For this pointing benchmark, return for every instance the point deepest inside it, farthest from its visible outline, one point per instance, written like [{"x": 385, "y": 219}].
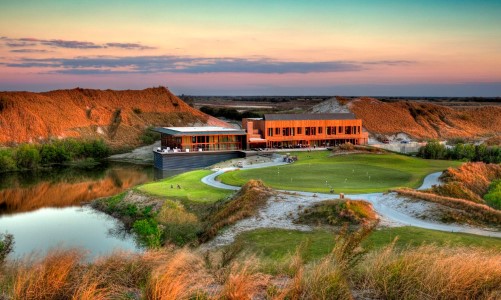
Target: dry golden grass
[
  {"x": 480, "y": 212},
  {"x": 338, "y": 212},
  {"x": 174, "y": 212},
  {"x": 180, "y": 276},
  {"x": 243, "y": 282},
  {"x": 474, "y": 178},
  {"x": 47, "y": 278},
  {"x": 463, "y": 189},
  {"x": 253, "y": 195},
  {"x": 431, "y": 272},
  {"x": 425, "y": 272}
]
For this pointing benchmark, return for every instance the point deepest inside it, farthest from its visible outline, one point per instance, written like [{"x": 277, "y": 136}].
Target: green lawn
[
  {"x": 276, "y": 245},
  {"x": 350, "y": 174},
  {"x": 192, "y": 189}
]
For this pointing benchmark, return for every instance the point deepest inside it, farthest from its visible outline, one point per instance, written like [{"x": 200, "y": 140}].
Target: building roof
[
  {"x": 202, "y": 130},
  {"x": 290, "y": 117}
]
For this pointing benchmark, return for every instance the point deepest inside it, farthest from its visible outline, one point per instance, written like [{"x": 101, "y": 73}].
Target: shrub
[
  {"x": 6, "y": 246},
  {"x": 7, "y": 161},
  {"x": 149, "y": 136},
  {"x": 493, "y": 197},
  {"x": 27, "y": 157},
  {"x": 149, "y": 232}
]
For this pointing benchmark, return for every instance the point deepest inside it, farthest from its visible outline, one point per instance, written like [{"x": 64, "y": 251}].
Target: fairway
[
  {"x": 191, "y": 188},
  {"x": 349, "y": 174},
  {"x": 275, "y": 245}
]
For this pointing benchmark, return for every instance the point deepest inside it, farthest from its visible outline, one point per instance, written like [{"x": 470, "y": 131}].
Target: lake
[{"x": 46, "y": 209}]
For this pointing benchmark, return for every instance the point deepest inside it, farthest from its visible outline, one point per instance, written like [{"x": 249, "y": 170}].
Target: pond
[{"x": 47, "y": 209}]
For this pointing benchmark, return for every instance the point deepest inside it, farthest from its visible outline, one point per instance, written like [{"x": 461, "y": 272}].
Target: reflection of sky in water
[{"x": 67, "y": 227}]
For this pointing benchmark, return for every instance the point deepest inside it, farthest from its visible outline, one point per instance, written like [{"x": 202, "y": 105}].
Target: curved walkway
[{"x": 385, "y": 212}]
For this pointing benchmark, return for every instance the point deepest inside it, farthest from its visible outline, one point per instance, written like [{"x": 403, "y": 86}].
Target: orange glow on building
[{"x": 304, "y": 130}]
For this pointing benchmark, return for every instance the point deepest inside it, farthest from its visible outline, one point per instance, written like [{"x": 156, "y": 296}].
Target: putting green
[{"x": 350, "y": 174}]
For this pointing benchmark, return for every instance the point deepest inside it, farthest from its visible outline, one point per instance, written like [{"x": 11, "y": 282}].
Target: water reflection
[
  {"x": 62, "y": 187},
  {"x": 69, "y": 227}
]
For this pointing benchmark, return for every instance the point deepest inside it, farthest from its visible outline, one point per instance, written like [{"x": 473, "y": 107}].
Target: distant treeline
[
  {"x": 229, "y": 113},
  {"x": 31, "y": 156},
  {"x": 466, "y": 152}
]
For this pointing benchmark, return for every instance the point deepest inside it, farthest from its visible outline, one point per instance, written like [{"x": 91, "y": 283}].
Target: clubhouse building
[{"x": 195, "y": 147}]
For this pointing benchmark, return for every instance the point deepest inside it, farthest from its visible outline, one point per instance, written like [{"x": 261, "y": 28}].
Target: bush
[
  {"x": 149, "y": 232},
  {"x": 7, "y": 161},
  {"x": 27, "y": 157},
  {"x": 6, "y": 246},
  {"x": 493, "y": 197},
  {"x": 148, "y": 136}
]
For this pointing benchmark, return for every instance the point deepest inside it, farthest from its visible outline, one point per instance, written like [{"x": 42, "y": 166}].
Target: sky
[{"x": 272, "y": 47}]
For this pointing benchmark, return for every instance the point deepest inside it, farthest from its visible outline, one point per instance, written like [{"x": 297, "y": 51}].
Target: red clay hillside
[{"x": 119, "y": 117}]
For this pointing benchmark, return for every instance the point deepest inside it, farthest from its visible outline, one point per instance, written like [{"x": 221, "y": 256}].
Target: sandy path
[{"x": 282, "y": 209}]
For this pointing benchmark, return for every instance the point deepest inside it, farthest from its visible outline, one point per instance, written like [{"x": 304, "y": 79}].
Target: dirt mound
[
  {"x": 119, "y": 117},
  {"x": 426, "y": 120},
  {"x": 333, "y": 105}
]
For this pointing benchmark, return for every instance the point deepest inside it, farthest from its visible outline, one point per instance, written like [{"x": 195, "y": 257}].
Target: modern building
[
  {"x": 304, "y": 130},
  {"x": 195, "y": 147}
]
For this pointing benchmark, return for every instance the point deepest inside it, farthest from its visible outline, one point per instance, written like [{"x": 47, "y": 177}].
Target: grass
[
  {"x": 244, "y": 204},
  {"x": 338, "y": 212},
  {"x": 277, "y": 245},
  {"x": 351, "y": 174},
  {"x": 432, "y": 272},
  {"x": 191, "y": 188}
]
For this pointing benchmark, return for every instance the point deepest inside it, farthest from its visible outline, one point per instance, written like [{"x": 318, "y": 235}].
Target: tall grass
[
  {"x": 178, "y": 277},
  {"x": 431, "y": 272},
  {"x": 425, "y": 272},
  {"x": 47, "y": 278}
]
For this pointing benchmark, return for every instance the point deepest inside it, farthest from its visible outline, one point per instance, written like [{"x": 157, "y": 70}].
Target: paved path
[{"x": 275, "y": 214}]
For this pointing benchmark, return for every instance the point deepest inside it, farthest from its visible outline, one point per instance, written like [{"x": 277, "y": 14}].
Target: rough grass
[
  {"x": 431, "y": 272},
  {"x": 253, "y": 195},
  {"x": 350, "y": 174},
  {"x": 338, "y": 212},
  {"x": 276, "y": 246},
  {"x": 473, "y": 213},
  {"x": 471, "y": 181},
  {"x": 191, "y": 188},
  {"x": 345, "y": 270}
]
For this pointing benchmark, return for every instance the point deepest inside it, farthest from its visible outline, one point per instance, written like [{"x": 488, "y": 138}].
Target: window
[
  {"x": 307, "y": 130},
  {"x": 328, "y": 130},
  {"x": 277, "y": 131},
  {"x": 340, "y": 129},
  {"x": 300, "y": 130},
  {"x": 319, "y": 130},
  {"x": 270, "y": 131}
]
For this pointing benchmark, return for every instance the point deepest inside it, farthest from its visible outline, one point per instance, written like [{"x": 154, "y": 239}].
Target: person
[
  {"x": 171, "y": 186},
  {"x": 178, "y": 186},
  {"x": 332, "y": 191}
]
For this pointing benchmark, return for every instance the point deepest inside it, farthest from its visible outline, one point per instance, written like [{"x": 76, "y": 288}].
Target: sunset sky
[{"x": 272, "y": 47}]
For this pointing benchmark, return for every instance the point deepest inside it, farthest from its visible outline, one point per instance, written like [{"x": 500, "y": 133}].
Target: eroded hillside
[
  {"x": 119, "y": 117},
  {"x": 426, "y": 120}
]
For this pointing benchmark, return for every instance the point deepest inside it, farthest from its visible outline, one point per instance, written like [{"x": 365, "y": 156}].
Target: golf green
[{"x": 355, "y": 173}]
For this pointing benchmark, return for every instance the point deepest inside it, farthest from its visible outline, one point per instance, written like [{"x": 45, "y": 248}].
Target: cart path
[{"x": 283, "y": 208}]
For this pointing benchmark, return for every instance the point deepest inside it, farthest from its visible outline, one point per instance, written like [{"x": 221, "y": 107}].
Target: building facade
[
  {"x": 303, "y": 130},
  {"x": 197, "y": 147}
]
